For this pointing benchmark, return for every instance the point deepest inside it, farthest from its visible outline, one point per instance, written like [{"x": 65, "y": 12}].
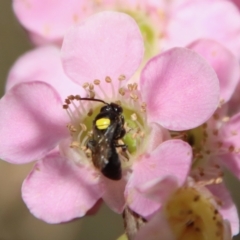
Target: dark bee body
[{"x": 108, "y": 128}]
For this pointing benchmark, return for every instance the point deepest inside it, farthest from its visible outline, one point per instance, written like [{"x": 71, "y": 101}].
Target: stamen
[
  {"x": 97, "y": 82},
  {"x": 121, "y": 78},
  {"x": 109, "y": 80},
  {"x": 121, "y": 91}
]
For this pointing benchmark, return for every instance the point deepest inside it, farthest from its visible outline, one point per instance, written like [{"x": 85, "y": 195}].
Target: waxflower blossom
[
  {"x": 162, "y": 23},
  {"x": 178, "y": 91},
  {"x": 189, "y": 212},
  {"x": 216, "y": 142}
]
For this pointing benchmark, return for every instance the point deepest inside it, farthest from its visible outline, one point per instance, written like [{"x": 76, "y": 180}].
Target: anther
[
  {"x": 75, "y": 144},
  {"x": 90, "y": 112},
  {"x": 85, "y": 85},
  {"x": 96, "y": 81},
  {"x": 67, "y": 101},
  {"x": 91, "y": 94},
  {"x": 83, "y": 126},
  {"x": 134, "y": 96},
  {"x": 130, "y": 87},
  {"x": 134, "y": 86},
  {"x": 231, "y": 149},
  {"x": 121, "y": 77},
  {"x": 134, "y": 117},
  {"x": 215, "y": 116},
  {"x": 91, "y": 87},
  {"x": 77, "y": 97},
  {"x": 65, "y": 106},
  {"x": 121, "y": 91},
  {"x": 108, "y": 79},
  {"x": 71, "y": 97}
]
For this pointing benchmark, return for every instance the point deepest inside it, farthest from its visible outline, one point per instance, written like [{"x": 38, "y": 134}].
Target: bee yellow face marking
[{"x": 102, "y": 123}]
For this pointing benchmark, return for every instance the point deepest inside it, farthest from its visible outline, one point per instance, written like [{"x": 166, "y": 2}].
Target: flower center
[
  {"x": 84, "y": 115},
  {"x": 192, "y": 216},
  {"x": 149, "y": 32}
]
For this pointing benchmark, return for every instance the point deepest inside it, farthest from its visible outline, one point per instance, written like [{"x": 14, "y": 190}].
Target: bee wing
[{"x": 104, "y": 147}]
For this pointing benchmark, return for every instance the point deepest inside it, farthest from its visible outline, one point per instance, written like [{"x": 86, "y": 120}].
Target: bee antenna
[{"x": 94, "y": 99}]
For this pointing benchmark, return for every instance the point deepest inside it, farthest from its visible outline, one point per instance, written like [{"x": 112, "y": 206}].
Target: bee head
[{"x": 112, "y": 107}]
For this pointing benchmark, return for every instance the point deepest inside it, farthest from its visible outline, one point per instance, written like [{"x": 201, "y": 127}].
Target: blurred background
[{"x": 16, "y": 223}]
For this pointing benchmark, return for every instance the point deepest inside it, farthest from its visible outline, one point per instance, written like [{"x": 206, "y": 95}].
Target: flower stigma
[{"x": 83, "y": 112}]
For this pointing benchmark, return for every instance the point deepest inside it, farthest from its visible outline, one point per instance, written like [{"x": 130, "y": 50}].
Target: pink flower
[
  {"x": 178, "y": 91},
  {"x": 163, "y": 23},
  {"x": 216, "y": 142},
  {"x": 189, "y": 212}
]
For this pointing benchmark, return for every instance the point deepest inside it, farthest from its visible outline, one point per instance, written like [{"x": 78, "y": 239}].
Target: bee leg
[
  {"x": 91, "y": 144},
  {"x": 123, "y": 146},
  {"x": 121, "y": 134}
]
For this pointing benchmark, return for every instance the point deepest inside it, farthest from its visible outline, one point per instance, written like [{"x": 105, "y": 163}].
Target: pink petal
[
  {"x": 228, "y": 209},
  {"x": 230, "y": 138},
  {"x": 156, "y": 136},
  {"x": 32, "y": 122},
  {"x": 181, "y": 90},
  {"x": 231, "y": 161},
  {"x": 202, "y": 19},
  {"x": 224, "y": 63},
  {"x": 50, "y": 18},
  {"x": 106, "y": 44},
  {"x": 160, "y": 189},
  {"x": 57, "y": 190},
  {"x": 43, "y": 64},
  {"x": 171, "y": 158},
  {"x": 156, "y": 228},
  {"x": 114, "y": 193}
]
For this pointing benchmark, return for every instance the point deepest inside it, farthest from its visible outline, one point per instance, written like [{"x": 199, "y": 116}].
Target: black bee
[{"x": 108, "y": 128}]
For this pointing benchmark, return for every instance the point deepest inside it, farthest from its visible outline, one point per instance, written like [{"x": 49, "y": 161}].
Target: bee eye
[
  {"x": 105, "y": 108},
  {"x": 103, "y": 123}
]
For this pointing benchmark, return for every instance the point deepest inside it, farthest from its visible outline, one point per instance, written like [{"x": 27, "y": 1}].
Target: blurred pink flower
[
  {"x": 162, "y": 23},
  {"x": 189, "y": 212},
  {"x": 216, "y": 142},
  {"x": 178, "y": 91}
]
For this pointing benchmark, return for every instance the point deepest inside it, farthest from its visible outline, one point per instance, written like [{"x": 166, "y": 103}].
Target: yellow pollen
[{"x": 103, "y": 123}]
